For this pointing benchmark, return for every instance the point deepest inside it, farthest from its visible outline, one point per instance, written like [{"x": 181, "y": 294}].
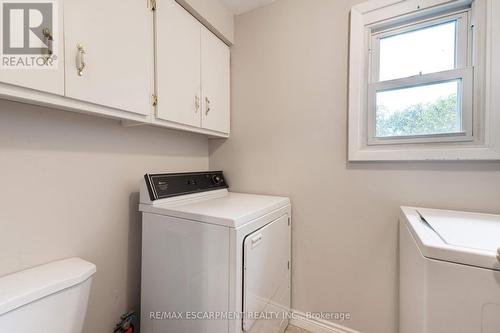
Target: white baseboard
[{"x": 300, "y": 319}]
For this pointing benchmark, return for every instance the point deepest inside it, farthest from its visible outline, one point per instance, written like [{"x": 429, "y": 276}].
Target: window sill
[{"x": 448, "y": 153}]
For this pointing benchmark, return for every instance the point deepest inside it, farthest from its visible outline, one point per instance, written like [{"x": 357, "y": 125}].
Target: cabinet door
[
  {"x": 178, "y": 64},
  {"x": 116, "y": 37},
  {"x": 215, "y": 66},
  {"x": 44, "y": 78}
]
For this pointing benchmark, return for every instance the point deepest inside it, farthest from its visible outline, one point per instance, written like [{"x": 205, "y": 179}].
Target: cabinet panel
[
  {"x": 46, "y": 79},
  {"x": 178, "y": 39},
  {"x": 215, "y": 66},
  {"x": 116, "y": 37}
]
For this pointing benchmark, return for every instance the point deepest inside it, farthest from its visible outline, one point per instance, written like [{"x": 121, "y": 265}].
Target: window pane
[
  {"x": 422, "y": 110},
  {"x": 427, "y": 50}
]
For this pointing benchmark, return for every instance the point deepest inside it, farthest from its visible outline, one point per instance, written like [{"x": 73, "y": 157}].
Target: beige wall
[
  {"x": 289, "y": 119},
  {"x": 69, "y": 187}
]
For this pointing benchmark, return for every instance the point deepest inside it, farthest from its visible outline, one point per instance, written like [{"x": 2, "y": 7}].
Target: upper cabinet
[
  {"x": 215, "y": 63},
  {"x": 33, "y": 57},
  {"x": 192, "y": 71},
  {"x": 178, "y": 65},
  {"x": 109, "y": 53},
  {"x": 146, "y": 62}
]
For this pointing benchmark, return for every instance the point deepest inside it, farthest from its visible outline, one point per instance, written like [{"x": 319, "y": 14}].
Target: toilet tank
[{"x": 48, "y": 298}]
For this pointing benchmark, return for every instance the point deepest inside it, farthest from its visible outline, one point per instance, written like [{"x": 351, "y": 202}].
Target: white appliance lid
[
  {"x": 27, "y": 286},
  {"x": 468, "y": 230},
  {"x": 459, "y": 237},
  {"x": 218, "y": 207}
]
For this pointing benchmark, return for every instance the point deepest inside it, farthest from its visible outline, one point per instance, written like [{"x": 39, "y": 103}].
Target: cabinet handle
[
  {"x": 80, "y": 60},
  {"x": 207, "y": 109},
  {"x": 50, "y": 48},
  {"x": 196, "y": 103}
]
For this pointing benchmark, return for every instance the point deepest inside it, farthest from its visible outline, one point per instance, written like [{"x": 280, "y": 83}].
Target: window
[
  {"x": 418, "y": 81},
  {"x": 420, "y": 88},
  {"x": 431, "y": 109}
]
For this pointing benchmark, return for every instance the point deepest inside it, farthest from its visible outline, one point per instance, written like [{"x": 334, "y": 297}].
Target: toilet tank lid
[{"x": 27, "y": 286}]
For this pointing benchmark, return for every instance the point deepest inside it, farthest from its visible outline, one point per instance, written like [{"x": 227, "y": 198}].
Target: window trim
[{"x": 377, "y": 14}]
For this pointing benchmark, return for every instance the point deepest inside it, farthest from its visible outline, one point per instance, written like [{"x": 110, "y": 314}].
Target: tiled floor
[{"x": 293, "y": 329}]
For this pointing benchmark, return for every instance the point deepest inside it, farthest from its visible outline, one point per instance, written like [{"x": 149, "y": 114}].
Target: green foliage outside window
[{"x": 419, "y": 119}]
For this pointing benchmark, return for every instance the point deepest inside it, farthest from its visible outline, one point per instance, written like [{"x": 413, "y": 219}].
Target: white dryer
[
  {"x": 449, "y": 272},
  {"x": 213, "y": 261}
]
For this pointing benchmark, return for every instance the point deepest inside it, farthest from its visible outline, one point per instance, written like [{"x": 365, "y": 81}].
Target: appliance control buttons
[{"x": 217, "y": 180}]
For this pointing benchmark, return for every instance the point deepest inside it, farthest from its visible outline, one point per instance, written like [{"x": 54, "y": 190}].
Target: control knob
[{"x": 217, "y": 180}]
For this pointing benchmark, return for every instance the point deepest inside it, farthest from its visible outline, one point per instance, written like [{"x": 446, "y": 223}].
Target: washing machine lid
[
  {"x": 220, "y": 207},
  {"x": 461, "y": 237}
]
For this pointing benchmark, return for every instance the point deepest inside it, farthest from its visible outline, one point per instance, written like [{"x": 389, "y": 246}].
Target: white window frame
[
  {"x": 462, "y": 72},
  {"x": 480, "y": 135}
]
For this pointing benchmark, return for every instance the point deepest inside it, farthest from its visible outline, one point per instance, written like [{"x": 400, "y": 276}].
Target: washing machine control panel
[{"x": 167, "y": 185}]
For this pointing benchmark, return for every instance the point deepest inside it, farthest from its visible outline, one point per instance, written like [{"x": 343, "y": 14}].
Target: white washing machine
[
  {"x": 213, "y": 261},
  {"x": 449, "y": 272}
]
